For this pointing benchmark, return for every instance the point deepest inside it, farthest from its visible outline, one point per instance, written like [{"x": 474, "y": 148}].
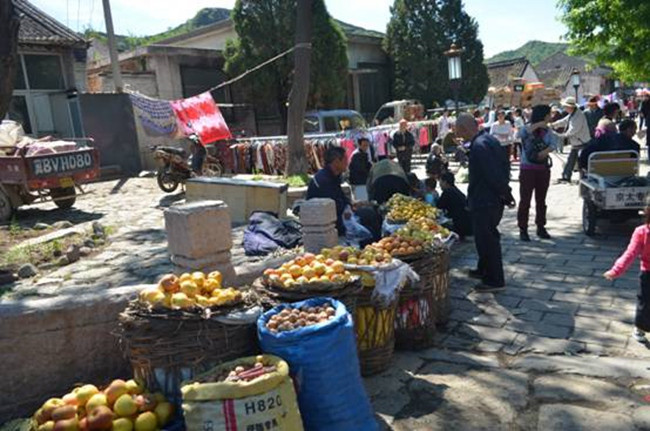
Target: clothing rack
[{"x": 284, "y": 137}]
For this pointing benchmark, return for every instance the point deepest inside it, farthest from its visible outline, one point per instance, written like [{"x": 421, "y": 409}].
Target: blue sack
[{"x": 324, "y": 364}]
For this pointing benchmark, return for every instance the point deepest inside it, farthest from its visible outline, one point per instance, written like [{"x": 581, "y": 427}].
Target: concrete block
[
  {"x": 198, "y": 229},
  {"x": 318, "y": 212},
  {"x": 315, "y": 242}
]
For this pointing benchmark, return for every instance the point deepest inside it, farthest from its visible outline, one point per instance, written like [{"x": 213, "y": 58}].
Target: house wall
[
  {"x": 365, "y": 53},
  {"x": 168, "y": 77},
  {"x": 529, "y": 74},
  {"x": 213, "y": 40}
]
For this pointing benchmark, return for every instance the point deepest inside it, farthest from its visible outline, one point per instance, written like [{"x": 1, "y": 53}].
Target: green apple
[
  {"x": 115, "y": 390},
  {"x": 85, "y": 393},
  {"x": 133, "y": 387},
  {"x": 164, "y": 412},
  {"x": 122, "y": 424},
  {"x": 48, "y": 407},
  {"x": 125, "y": 406},
  {"x": 146, "y": 421},
  {"x": 47, "y": 426},
  {"x": 64, "y": 412},
  {"x": 96, "y": 401}
]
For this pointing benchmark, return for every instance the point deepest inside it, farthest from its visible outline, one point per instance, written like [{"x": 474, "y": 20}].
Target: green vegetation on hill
[
  {"x": 535, "y": 51},
  {"x": 205, "y": 16}
]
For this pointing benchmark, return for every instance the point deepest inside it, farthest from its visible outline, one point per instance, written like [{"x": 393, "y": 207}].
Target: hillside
[
  {"x": 535, "y": 51},
  {"x": 205, "y": 16}
]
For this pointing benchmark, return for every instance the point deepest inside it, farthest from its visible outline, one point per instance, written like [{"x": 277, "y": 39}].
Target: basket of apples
[{"x": 121, "y": 406}]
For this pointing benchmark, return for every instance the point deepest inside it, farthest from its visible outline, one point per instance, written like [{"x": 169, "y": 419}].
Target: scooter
[{"x": 175, "y": 167}]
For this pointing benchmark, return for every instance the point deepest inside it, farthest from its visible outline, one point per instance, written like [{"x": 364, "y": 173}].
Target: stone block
[
  {"x": 308, "y": 229},
  {"x": 198, "y": 229},
  {"x": 561, "y": 417},
  {"x": 314, "y": 243},
  {"x": 318, "y": 212}
]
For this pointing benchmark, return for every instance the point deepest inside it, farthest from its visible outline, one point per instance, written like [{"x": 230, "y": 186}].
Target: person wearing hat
[
  {"x": 576, "y": 133},
  {"x": 403, "y": 142},
  {"x": 593, "y": 114}
]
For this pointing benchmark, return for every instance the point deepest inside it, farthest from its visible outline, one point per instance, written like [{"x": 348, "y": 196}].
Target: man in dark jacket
[
  {"x": 488, "y": 192},
  {"x": 593, "y": 114},
  {"x": 360, "y": 163},
  {"x": 454, "y": 202},
  {"x": 403, "y": 142},
  {"x": 623, "y": 140}
]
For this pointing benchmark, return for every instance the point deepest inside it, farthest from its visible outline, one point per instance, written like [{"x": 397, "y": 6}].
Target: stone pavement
[{"x": 551, "y": 352}]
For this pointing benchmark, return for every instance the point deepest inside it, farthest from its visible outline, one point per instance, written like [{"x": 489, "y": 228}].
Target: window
[
  {"x": 311, "y": 124},
  {"x": 384, "y": 114},
  {"x": 353, "y": 122},
  {"x": 18, "y": 112},
  {"x": 19, "y": 80},
  {"x": 44, "y": 72},
  {"x": 330, "y": 124}
]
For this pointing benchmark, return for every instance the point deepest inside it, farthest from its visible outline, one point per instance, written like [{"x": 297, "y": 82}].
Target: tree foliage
[
  {"x": 266, "y": 28},
  {"x": 614, "y": 32},
  {"x": 418, "y": 34}
]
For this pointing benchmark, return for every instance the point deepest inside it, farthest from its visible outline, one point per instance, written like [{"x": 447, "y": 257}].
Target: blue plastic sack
[{"x": 325, "y": 367}]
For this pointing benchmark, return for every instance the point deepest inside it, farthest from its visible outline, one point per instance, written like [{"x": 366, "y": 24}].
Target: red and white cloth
[{"x": 200, "y": 115}]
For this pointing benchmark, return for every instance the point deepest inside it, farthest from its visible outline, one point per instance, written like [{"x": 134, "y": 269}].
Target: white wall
[
  {"x": 529, "y": 74},
  {"x": 213, "y": 40},
  {"x": 364, "y": 53}
]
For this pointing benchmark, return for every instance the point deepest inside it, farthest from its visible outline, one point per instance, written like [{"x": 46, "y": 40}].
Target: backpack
[{"x": 533, "y": 146}]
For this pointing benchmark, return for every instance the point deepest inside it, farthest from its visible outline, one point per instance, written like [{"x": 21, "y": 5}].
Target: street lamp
[
  {"x": 617, "y": 86},
  {"x": 455, "y": 70},
  {"x": 575, "y": 80}
]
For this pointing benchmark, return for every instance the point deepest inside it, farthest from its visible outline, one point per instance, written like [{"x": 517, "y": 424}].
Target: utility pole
[
  {"x": 9, "y": 25},
  {"x": 112, "y": 50},
  {"x": 297, "y": 160}
]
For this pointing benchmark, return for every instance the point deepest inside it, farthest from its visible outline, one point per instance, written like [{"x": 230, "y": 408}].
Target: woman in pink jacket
[{"x": 639, "y": 246}]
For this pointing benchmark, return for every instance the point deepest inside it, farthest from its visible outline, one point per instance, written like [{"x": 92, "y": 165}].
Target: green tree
[
  {"x": 614, "y": 32},
  {"x": 266, "y": 28},
  {"x": 418, "y": 34}
]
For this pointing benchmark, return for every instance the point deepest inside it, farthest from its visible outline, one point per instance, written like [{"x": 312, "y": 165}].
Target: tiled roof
[
  {"x": 557, "y": 77},
  {"x": 501, "y": 72},
  {"x": 38, "y": 27},
  {"x": 353, "y": 30}
]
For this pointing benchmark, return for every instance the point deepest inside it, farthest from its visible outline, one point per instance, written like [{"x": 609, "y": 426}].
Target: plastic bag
[
  {"x": 268, "y": 402},
  {"x": 325, "y": 367},
  {"x": 389, "y": 279},
  {"x": 355, "y": 232}
]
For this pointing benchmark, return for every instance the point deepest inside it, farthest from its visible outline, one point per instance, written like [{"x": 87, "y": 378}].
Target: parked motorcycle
[{"x": 175, "y": 167}]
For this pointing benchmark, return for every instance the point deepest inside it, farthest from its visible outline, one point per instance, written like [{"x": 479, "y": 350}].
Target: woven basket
[
  {"x": 164, "y": 351},
  {"x": 271, "y": 297},
  {"x": 440, "y": 282},
  {"x": 375, "y": 333}
]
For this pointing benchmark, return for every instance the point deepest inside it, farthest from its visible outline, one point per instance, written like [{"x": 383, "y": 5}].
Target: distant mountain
[
  {"x": 205, "y": 16},
  {"x": 535, "y": 51}
]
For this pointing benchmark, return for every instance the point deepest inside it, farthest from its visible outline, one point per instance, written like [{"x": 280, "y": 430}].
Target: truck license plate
[{"x": 66, "y": 182}]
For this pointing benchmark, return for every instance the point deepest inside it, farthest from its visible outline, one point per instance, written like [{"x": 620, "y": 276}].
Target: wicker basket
[
  {"x": 440, "y": 282},
  {"x": 271, "y": 297},
  {"x": 166, "y": 350},
  {"x": 375, "y": 333}
]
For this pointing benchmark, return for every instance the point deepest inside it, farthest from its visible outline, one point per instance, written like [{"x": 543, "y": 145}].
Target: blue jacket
[
  {"x": 325, "y": 184},
  {"x": 489, "y": 173}
]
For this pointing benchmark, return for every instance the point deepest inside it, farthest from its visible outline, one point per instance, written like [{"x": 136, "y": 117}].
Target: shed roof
[
  {"x": 501, "y": 72},
  {"x": 37, "y": 27}
]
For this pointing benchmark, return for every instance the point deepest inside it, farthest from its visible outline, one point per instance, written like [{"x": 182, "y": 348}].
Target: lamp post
[
  {"x": 455, "y": 71},
  {"x": 575, "y": 80},
  {"x": 617, "y": 87}
]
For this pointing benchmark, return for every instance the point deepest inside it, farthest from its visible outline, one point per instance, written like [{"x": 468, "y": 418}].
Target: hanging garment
[
  {"x": 348, "y": 146},
  {"x": 156, "y": 116},
  {"x": 200, "y": 115},
  {"x": 424, "y": 136}
]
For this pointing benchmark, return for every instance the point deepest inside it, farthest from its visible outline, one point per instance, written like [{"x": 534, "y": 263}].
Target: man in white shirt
[
  {"x": 576, "y": 133},
  {"x": 444, "y": 125}
]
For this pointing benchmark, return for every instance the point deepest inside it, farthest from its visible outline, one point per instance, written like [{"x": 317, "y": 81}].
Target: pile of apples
[
  {"x": 122, "y": 406},
  {"x": 368, "y": 256},
  {"x": 307, "y": 269},
  {"x": 427, "y": 225},
  {"x": 190, "y": 290},
  {"x": 397, "y": 245},
  {"x": 403, "y": 208}
]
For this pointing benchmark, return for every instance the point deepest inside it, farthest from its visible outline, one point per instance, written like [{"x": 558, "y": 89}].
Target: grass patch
[
  {"x": 36, "y": 254},
  {"x": 14, "y": 227}
]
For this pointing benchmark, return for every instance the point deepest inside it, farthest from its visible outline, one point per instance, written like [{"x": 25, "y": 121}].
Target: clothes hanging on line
[{"x": 156, "y": 116}]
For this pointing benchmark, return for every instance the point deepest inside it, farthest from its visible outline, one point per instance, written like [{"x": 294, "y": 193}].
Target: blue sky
[{"x": 502, "y": 25}]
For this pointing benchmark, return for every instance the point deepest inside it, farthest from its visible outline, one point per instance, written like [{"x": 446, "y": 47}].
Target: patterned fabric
[
  {"x": 200, "y": 115},
  {"x": 156, "y": 116}
]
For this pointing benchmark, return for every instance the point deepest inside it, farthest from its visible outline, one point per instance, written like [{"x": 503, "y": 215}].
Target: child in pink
[{"x": 639, "y": 246}]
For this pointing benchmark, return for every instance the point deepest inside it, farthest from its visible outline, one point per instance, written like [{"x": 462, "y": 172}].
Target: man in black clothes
[
  {"x": 488, "y": 193},
  {"x": 623, "y": 140},
  {"x": 593, "y": 114},
  {"x": 454, "y": 202},
  {"x": 360, "y": 163},
  {"x": 403, "y": 142}
]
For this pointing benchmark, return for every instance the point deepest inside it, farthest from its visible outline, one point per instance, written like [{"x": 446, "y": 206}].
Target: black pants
[
  {"x": 197, "y": 159},
  {"x": 570, "y": 164},
  {"x": 488, "y": 244},
  {"x": 642, "y": 318},
  {"x": 404, "y": 159}
]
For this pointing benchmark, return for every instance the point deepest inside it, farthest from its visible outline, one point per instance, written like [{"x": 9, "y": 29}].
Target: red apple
[{"x": 100, "y": 418}]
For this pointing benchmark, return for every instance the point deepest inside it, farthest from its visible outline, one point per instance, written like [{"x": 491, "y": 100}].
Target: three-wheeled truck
[
  {"x": 26, "y": 179},
  {"x": 612, "y": 188}
]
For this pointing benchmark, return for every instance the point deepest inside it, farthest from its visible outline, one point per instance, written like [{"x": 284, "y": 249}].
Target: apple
[
  {"x": 189, "y": 288},
  {"x": 48, "y": 407},
  {"x": 85, "y": 392},
  {"x": 181, "y": 300},
  {"x": 202, "y": 301},
  {"x": 122, "y": 424},
  {"x": 286, "y": 277},
  {"x": 216, "y": 276},
  {"x": 169, "y": 283},
  {"x": 145, "y": 402},
  {"x": 329, "y": 262},
  {"x": 64, "y": 412},
  {"x": 164, "y": 412},
  {"x": 308, "y": 272},
  {"x": 320, "y": 258},
  {"x": 96, "y": 401},
  {"x": 275, "y": 279},
  {"x": 152, "y": 295},
  {"x": 338, "y": 267},
  {"x": 146, "y": 421},
  {"x": 134, "y": 387},
  {"x": 47, "y": 426},
  {"x": 116, "y": 389},
  {"x": 344, "y": 255},
  {"x": 295, "y": 270},
  {"x": 319, "y": 269},
  {"x": 309, "y": 257},
  {"x": 100, "y": 418},
  {"x": 324, "y": 278},
  {"x": 66, "y": 425},
  {"x": 159, "y": 397},
  {"x": 125, "y": 406},
  {"x": 302, "y": 280},
  {"x": 83, "y": 424},
  {"x": 70, "y": 399},
  {"x": 300, "y": 261}
]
